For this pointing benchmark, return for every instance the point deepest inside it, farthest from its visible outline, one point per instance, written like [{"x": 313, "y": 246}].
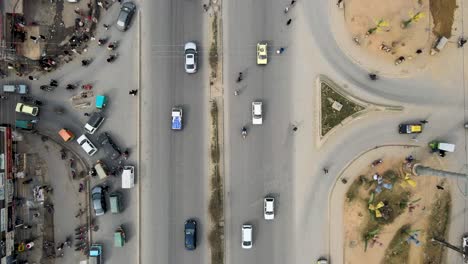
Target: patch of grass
[
  {"x": 213, "y": 58},
  {"x": 438, "y": 225},
  {"x": 397, "y": 251},
  {"x": 331, "y": 117},
  {"x": 216, "y": 203},
  {"x": 353, "y": 190}
]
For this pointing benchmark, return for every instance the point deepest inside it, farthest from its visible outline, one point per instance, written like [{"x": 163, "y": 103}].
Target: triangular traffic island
[{"x": 337, "y": 107}]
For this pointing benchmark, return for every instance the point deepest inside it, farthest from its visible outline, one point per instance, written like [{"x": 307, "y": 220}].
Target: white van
[
  {"x": 128, "y": 177},
  {"x": 247, "y": 236}
]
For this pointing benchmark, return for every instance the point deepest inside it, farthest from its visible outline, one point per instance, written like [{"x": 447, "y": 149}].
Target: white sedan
[
  {"x": 190, "y": 57},
  {"x": 87, "y": 145},
  {"x": 257, "y": 116}
]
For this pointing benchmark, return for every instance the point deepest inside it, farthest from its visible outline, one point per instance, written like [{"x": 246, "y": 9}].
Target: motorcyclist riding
[
  {"x": 244, "y": 132},
  {"x": 239, "y": 78}
]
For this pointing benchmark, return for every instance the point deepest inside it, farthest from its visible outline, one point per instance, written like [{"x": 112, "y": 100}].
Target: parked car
[
  {"x": 15, "y": 88},
  {"x": 24, "y": 124},
  {"x": 109, "y": 146},
  {"x": 262, "y": 53},
  {"x": 87, "y": 145},
  {"x": 128, "y": 177},
  {"x": 410, "y": 128},
  {"x": 269, "y": 208},
  {"x": 94, "y": 122},
  {"x": 190, "y": 230},
  {"x": 125, "y": 16},
  {"x": 247, "y": 236},
  {"x": 27, "y": 109},
  {"x": 190, "y": 57},
  {"x": 257, "y": 115},
  {"x": 99, "y": 203}
]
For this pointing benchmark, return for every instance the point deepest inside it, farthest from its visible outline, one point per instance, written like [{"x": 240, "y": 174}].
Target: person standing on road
[{"x": 289, "y": 22}]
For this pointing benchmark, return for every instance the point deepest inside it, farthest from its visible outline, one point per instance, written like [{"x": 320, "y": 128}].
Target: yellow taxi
[{"x": 262, "y": 53}]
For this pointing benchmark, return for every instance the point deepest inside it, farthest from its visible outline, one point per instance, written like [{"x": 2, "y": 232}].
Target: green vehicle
[
  {"x": 115, "y": 199},
  {"x": 119, "y": 237},
  {"x": 24, "y": 124}
]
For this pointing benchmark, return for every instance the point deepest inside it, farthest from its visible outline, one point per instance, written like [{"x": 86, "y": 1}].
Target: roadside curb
[
  {"x": 369, "y": 107},
  {"x": 138, "y": 189}
]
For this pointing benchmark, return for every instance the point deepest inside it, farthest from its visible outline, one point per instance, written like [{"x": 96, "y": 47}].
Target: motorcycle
[
  {"x": 376, "y": 162},
  {"x": 70, "y": 87},
  {"x": 102, "y": 41},
  {"x": 111, "y": 58},
  {"x": 85, "y": 63},
  {"x": 280, "y": 50},
  {"x": 244, "y": 132},
  {"x": 37, "y": 102},
  {"x": 373, "y": 76},
  {"x": 3, "y": 97},
  {"x": 63, "y": 154},
  {"x": 112, "y": 45},
  {"x": 239, "y": 78},
  {"x": 87, "y": 86},
  {"x": 46, "y": 88}
]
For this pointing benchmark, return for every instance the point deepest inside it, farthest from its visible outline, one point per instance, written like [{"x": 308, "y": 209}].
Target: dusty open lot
[{"x": 412, "y": 211}]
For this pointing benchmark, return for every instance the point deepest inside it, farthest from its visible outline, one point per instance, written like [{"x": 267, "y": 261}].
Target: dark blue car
[{"x": 190, "y": 232}]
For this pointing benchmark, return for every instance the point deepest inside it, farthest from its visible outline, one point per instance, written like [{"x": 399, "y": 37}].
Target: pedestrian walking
[
  {"x": 294, "y": 128},
  {"x": 53, "y": 83},
  {"x": 99, "y": 3},
  {"x": 461, "y": 42},
  {"x": 42, "y": 37},
  {"x": 30, "y": 77},
  {"x": 418, "y": 51},
  {"x": 289, "y": 22},
  {"x": 106, "y": 26},
  {"x": 439, "y": 187},
  {"x": 293, "y": 2},
  {"x": 205, "y": 7},
  {"x": 133, "y": 92},
  {"x": 325, "y": 170},
  {"x": 424, "y": 121},
  {"x": 86, "y": 114}
]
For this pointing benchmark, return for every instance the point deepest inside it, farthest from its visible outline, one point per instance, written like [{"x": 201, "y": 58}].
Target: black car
[
  {"x": 190, "y": 231},
  {"x": 125, "y": 15},
  {"x": 109, "y": 146}
]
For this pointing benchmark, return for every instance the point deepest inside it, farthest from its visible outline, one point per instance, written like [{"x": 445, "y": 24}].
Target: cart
[
  {"x": 101, "y": 101},
  {"x": 119, "y": 237}
]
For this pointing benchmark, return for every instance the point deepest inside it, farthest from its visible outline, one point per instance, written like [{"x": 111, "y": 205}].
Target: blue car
[{"x": 190, "y": 232}]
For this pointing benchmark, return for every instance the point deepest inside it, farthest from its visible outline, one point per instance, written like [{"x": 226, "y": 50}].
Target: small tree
[
  {"x": 378, "y": 27},
  {"x": 413, "y": 18}
]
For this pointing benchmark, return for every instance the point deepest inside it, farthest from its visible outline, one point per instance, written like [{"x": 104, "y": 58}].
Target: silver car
[
  {"x": 190, "y": 57},
  {"x": 97, "y": 197},
  {"x": 125, "y": 16}
]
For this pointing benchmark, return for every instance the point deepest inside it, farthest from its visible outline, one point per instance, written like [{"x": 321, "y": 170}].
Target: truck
[
  {"x": 95, "y": 254},
  {"x": 15, "y": 88},
  {"x": 177, "y": 118},
  {"x": 441, "y": 147}
]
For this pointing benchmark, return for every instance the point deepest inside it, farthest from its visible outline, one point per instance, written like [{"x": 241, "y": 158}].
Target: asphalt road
[
  {"x": 174, "y": 163},
  {"x": 261, "y": 164}
]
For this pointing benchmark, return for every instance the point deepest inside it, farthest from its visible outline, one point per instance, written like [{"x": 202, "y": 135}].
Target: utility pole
[{"x": 452, "y": 247}]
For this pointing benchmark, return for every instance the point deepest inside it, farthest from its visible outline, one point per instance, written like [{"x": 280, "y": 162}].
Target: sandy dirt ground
[
  {"x": 362, "y": 15},
  {"x": 356, "y": 215}
]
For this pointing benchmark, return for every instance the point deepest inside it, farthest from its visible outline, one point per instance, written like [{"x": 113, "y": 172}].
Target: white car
[
  {"x": 269, "y": 208},
  {"x": 190, "y": 57},
  {"x": 87, "y": 145},
  {"x": 128, "y": 177},
  {"x": 27, "y": 109},
  {"x": 257, "y": 116},
  {"x": 247, "y": 236}
]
